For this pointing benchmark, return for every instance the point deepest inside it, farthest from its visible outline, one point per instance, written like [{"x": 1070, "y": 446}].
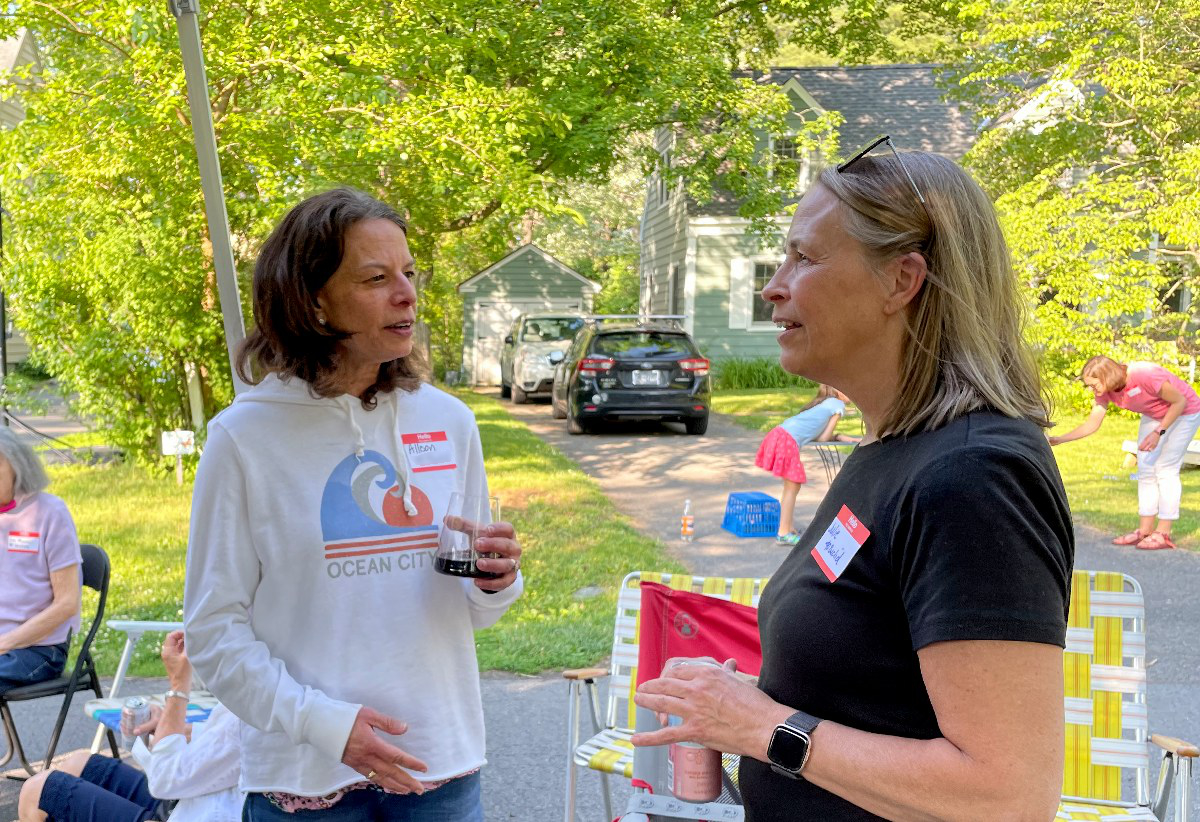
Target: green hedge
[{"x": 739, "y": 373}]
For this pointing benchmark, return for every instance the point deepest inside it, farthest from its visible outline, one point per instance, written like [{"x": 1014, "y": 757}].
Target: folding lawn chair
[
  {"x": 1107, "y": 724},
  {"x": 608, "y": 750}
]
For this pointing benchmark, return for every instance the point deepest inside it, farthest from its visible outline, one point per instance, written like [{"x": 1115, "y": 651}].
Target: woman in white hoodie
[{"x": 312, "y": 609}]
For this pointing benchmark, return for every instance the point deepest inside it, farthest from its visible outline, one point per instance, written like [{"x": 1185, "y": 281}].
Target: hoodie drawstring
[
  {"x": 402, "y": 467},
  {"x": 403, "y": 472}
]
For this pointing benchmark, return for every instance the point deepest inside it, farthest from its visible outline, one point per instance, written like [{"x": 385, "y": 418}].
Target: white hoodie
[{"x": 310, "y": 586}]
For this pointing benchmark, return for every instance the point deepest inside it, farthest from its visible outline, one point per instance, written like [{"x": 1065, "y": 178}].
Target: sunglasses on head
[{"x": 874, "y": 144}]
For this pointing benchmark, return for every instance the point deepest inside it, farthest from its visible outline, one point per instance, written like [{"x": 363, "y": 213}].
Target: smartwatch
[
  {"x": 1162, "y": 432},
  {"x": 791, "y": 744}
]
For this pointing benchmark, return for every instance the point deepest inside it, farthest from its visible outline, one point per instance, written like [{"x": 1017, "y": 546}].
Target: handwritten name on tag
[
  {"x": 24, "y": 542},
  {"x": 1133, "y": 392},
  {"x": 428, "y": 451},
  {"x": 840, "y": 542}
]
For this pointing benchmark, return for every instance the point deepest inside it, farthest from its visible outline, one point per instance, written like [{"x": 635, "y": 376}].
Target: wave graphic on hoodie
[{"x": 362, "y": 510}]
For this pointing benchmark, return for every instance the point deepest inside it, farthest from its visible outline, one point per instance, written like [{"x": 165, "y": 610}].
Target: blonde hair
[
  {"x": 964, "y": 350},
  {"x": 1110, "y": 372}
]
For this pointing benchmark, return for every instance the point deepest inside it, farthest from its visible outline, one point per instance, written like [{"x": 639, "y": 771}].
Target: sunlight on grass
[
  {"x": 572, "y": 536},
  {"x": 1098, "y": 485}
]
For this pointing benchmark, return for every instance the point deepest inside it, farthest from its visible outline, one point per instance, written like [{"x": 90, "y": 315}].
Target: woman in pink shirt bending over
[{"x": 1170, "y": 412}]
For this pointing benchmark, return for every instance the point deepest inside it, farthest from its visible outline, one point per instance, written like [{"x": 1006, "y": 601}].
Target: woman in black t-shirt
[{"x": 912, "y": 640}]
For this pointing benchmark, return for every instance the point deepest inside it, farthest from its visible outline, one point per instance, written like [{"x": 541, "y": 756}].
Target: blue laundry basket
[{"x": 751, "y": 514}]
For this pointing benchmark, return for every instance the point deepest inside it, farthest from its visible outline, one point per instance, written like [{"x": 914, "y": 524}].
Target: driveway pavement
[{"x": 648, "y": 470}]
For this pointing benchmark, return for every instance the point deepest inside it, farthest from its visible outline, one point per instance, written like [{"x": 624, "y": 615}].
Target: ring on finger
[{"x": 371, "y": 775}]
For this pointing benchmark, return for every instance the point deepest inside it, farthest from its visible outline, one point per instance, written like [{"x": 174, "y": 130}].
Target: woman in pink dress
[{"x": 1170, "y": 412}]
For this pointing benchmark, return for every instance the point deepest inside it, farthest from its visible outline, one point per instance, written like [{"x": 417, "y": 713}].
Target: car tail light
[
  {"x": 697, "y": 366},
  {"x": 596, "y": 365}
]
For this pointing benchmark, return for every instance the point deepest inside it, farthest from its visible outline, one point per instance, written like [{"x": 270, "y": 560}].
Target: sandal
[
  {"x": 1155, "y": 541},
  {"x": 1132, "y": 538}
]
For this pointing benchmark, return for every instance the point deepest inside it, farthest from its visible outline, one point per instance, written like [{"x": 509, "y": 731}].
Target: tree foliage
[
  {"x": 468, "y": 114},
  {"x": 1092, "y": 147}
]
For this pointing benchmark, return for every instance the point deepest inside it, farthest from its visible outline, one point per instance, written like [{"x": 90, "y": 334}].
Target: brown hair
[
  {"x": 964, "y": 350},
  {"x": 295, "y": 262},
  {"x": 1110, "y": 372}
]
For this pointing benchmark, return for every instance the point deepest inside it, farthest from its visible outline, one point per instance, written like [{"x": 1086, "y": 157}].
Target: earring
[{"x": 320, "y": 319}]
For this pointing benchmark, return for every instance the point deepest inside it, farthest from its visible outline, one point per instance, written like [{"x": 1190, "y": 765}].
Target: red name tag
[
  {"x": 840, "y": 542},
  {"x": 428, "y": 451},
  {"x": 24, "y": 542}
]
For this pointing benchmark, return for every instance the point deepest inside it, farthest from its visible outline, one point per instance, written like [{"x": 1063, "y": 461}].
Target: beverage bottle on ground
[{"x": 686, "y": 522}]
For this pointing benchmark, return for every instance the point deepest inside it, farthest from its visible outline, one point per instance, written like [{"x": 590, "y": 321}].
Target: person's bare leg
[
  {"x": 1164, "y": 526},
  {"x": 787, "y": 506},
  {"x": 31, "y": 791},
  {"x": 1146, "y": 525}
]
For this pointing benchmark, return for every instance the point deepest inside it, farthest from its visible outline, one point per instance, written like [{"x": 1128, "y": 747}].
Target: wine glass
[{"x": 467, "y": 515}]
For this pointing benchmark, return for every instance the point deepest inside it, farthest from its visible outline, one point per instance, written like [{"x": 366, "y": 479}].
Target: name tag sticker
[
  {"x": 840, "y": 542},
  {"x": 429, "y": 451},
  {"x": 1133, "y": 392},
  {"x": 24, "y": 542}
]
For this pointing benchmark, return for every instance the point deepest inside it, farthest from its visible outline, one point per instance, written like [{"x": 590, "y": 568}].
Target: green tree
[
  {"x": 1093, "y": 152},
  {"x": 468, "y": 114}
]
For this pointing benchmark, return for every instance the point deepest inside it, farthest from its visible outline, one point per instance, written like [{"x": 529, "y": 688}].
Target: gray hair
[{"x": 29, "y": 476}]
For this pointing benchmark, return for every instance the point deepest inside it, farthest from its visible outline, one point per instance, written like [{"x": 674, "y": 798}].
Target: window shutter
[{"x": 741, "y": 270}]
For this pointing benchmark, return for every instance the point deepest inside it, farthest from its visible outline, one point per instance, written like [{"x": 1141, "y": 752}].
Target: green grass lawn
[
  {"x": 1097, "y": 482},
  {"x": 572, "y": 536}
]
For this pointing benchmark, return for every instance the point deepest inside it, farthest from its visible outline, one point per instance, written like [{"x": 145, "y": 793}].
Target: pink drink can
[{"x": 693, "y": 771}]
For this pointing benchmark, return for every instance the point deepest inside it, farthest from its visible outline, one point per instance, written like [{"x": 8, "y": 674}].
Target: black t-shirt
[{"x": 970, "y": 539}]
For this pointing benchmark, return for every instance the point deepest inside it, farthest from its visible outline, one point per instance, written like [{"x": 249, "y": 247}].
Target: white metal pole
[{"x": 205, "y": 138}]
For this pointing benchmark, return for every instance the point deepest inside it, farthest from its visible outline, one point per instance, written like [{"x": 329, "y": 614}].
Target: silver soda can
[
  {"x": 693, "y": 771},
  {"x": 135, "y": 712}
]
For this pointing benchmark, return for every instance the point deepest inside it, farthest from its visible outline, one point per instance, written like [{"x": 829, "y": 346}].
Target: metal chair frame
[{"x": 96, "y": 571}]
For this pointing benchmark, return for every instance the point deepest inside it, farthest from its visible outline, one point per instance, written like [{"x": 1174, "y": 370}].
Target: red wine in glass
[{"x": 466, "y": 517}]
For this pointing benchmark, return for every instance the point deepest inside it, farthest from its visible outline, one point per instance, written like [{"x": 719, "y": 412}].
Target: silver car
[{"x": 533, "y": 346}]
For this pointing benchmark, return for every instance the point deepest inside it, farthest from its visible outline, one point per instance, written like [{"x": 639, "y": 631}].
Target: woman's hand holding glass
[
  {"x": 500, "y": 553},
  {"x": 473, "y": 542}
]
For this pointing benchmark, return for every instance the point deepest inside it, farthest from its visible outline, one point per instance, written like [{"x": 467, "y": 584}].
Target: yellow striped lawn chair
[
  {"x": 608, "y": 750},
  {"x": 1107, "y": 755},
  {"x": 1106, "y": 778}
]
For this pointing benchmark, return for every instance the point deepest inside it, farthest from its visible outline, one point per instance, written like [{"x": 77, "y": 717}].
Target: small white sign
[{"x": 175, "y": 443}]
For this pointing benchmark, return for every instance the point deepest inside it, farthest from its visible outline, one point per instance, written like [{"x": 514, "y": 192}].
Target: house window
[
  {"x": 676, "y": 306},
  {"x": 760, "y": 308},
  {"x": 790, "y": 161},
  {"x": 660, "y": 183}
]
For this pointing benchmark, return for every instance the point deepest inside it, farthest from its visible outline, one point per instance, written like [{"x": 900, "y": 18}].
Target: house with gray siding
[
  {"x": 524, "y": 281},
  {"x": 702, "y": 262}
]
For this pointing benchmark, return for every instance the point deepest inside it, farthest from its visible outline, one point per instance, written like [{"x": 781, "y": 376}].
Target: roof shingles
[{"x": 900, "y": 100}]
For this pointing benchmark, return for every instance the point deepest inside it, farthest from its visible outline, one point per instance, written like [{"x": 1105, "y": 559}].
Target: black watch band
[
  {"x": 791, "y": 744},
  {"x": 1162, "y": 432}
]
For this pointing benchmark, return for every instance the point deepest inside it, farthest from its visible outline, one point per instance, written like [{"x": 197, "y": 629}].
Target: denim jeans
[
  {"x": 26, "y": 666},
  {"x": 457, "y": 801}
]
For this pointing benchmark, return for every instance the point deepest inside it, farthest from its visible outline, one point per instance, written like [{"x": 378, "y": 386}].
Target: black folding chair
[{"x": 83, "y": 673}]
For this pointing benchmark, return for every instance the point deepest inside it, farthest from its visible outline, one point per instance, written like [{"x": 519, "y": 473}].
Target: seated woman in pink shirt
[
  {"x": 39, "y": 570},
  {"x": 1170, "y": 412}
]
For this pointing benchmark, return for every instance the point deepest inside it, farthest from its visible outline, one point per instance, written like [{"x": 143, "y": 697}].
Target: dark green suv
[{"x": 631, "y": 371}]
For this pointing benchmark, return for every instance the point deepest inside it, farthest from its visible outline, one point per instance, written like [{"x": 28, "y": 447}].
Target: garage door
[{"x": 492, "y": 321}]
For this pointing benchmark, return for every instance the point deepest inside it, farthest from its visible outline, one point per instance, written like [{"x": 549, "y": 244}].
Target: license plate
[{"x": 647, "y": 378}]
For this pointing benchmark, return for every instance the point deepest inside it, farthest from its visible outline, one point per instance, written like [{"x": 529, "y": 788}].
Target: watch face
[{"x": 788, "y": 748}]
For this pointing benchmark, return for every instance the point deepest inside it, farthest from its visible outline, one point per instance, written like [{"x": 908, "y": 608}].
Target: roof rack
[{"x": 675, "y": 320}]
